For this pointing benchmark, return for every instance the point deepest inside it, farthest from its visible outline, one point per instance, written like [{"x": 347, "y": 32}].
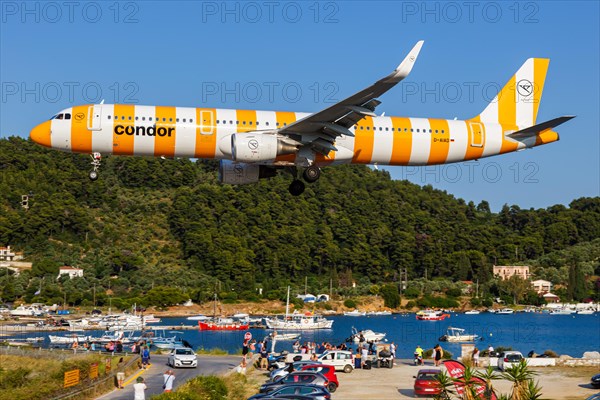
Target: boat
[
  {"x": 562, "y": 311},
  {"x": 283, "y": 336},
  {"x": 505, "y": 311},
  {"x": 355, "y": 313},
  {"x": 379, "y": 313},
  {"x": 585, "y": 312},
  {"x": 223, "y": 324},
  {"x": 27, "y": 311},
  {"x": 68, "y": 339},
  {"x": 297, "y": 321},
  {"x": 431, "y": 315},
  {"x": 457, "y": 335},
  {"x": 472, "y": 312},
  {"x": 199, "y": 317},
  {"x": 365, "y": 335}
]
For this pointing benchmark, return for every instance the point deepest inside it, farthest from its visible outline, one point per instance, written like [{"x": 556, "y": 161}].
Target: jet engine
[
  {"x": 234, "y": 173},
  {"x": 255, "y": 147}
]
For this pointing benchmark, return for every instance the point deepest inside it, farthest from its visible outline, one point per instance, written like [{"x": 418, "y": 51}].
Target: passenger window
[
  {"x": 108, "y": 116},
  {"x": 267, "y": 124}
]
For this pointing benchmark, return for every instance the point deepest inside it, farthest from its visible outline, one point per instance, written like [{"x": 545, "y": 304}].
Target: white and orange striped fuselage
[
  {"x": 195, "y": 133},
  {"x": 253, "y": 144}
]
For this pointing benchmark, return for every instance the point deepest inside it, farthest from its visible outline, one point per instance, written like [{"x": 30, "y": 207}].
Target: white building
[
  {"x": 6, "y": 254},
  {"x": 506, "y": 271},
  {"x": 541, "y": 286},
  {"x": 71, "y": 271}
]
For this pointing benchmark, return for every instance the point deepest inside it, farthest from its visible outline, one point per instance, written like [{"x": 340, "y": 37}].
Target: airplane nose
[{"x": 41, "y": 134}]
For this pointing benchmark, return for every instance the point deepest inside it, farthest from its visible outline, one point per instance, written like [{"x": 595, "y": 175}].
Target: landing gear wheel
[
  {"x": 96, "y": 162},
  {"x": 296, "y": 187},
  {"x": 312, "y": 174},
  {"x": 93, "y": 175}
]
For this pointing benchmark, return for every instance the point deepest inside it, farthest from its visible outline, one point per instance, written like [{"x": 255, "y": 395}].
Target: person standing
[
  {"x": 245, "y": 345},
  {"x": 264, "y": 357},
  {"x": 168, "y": 379},
  {"x": 120, "y": 373},
  {"x": 393, "y": 349},
  {"x": 438, "y": 353},
  {"x": 139, "y": 389},
  {"x": 475, "y": 357},
  {"x": 364, "y": 355},
  {"x": 145, "y": 357}
]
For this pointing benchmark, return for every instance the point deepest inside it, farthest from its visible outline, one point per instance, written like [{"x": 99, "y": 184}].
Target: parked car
[
  {"x": 595, "y": 381},
  {"x": 313, "y": 391},
  {"x": 290, "y": 397},
  {"x": 340, "y": 359},
  {"x": 594, "y": 397},
  {"x": 425, "y": 383},
  {"x": 182, "y": 357},
  {"x": 305, "y": 378},
  {"x": 328, "y": 371},
  {"x": 295, "y": 366},
  {"x": 508, "y": 359}
]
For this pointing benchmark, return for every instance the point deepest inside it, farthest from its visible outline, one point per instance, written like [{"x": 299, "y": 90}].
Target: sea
[{"x": 564, "y": 334}]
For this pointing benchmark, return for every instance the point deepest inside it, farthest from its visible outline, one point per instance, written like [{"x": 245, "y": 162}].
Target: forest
[{"x": 162, "y": 231}]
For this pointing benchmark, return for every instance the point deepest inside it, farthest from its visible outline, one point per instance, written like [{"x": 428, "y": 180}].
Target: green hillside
[{"x": 166, "y": 228}]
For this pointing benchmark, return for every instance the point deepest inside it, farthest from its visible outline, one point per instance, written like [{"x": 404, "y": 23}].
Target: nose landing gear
[{"x": 96, "y": 162}]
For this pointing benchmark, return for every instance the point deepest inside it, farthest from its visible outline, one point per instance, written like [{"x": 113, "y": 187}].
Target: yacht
[
  {"x": 457, "y": 335},
  {"x": 431, "y": 315},
  {"x": 355, "y": 313},
  {"x": 365, "y": 335},
  {"x": 27, "y": 311},
  {"x": 297, "y": 321},
  {"x": 472, "y": 312},
  {"x": 505, "y": 311}
]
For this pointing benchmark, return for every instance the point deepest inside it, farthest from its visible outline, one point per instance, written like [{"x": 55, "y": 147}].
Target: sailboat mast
[{"x": 287, "y": 304}]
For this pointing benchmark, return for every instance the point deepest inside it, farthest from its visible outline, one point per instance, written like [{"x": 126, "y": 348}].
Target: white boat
[
  {"x": 585, "y": 312},
  {"x": 199, "y": 317},
  {"x": 505, "y": 311},
  {"x": 366, "y": 335},
  {"x": 283, "y": 336},
  {"x": 355, "y": 313},
  {"x": 27, "y": 311},
  {"x": 297, "y": 321},
  {"x": 68, "y": 339},
  {"x": 472, "y": 312},
  {"x": 379, "y": 313},
  {"x": 431, "y": 315},
  {"x": 562, "y": 311},
  {"x": 457, "y": 335}
]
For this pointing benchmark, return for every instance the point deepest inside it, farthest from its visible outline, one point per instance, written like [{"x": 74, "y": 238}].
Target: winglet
[{"x": 407, "y": 64}]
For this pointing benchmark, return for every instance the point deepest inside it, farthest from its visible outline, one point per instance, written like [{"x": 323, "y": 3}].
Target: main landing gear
[
  {"x": 310, "y": 175},
  {"x": 96, "y": 162}
]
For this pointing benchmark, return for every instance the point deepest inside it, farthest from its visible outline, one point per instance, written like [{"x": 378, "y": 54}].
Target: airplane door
[
  {"x": 477, "y": 134},
  {"x": 94, "y": 117},
  {"x": 206, "y": 122}
]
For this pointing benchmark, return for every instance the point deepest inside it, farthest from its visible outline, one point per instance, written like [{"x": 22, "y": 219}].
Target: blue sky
[{"x": 302, "y": 56}]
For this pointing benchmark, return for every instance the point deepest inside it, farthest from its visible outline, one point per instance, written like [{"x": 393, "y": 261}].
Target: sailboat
[
  {"x": 298, "y": 321},
  {"x": 221, "y": 323}
]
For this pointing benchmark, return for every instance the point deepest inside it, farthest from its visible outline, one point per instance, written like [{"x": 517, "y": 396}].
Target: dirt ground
[{"x": 397, "y": 383}]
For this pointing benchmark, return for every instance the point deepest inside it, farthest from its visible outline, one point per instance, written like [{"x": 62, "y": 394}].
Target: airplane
[{"x": 253, "y": 145}]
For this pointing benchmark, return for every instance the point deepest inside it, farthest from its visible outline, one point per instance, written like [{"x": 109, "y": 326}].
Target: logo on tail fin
[{"x": 525, "y": 87}]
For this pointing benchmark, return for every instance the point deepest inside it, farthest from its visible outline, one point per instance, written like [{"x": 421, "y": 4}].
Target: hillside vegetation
[{"x": 166, "y": 231}]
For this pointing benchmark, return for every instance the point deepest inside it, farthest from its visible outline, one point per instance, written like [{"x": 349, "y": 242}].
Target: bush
[
  {"x": 453, "y": 292},
  {"x": 487, "y": 302},
  {"x": 412, "y": 292},
  {"x": 390, "y": 295},
  {"x": 475, "y": 302},
  {"x": 436, "y": 302},
  {"x": 447, "y": 355},
  {"x": 551, "y": 354},
  {"x": 13, "y": 378},
  {"x": 349, "y": 303},
  {"x": 411, "y": 304}
]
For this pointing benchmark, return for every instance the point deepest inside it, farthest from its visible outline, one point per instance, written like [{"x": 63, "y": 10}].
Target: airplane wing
[
  {"x": 320, "y": 130},
  {"x": 535, "y": 129}
]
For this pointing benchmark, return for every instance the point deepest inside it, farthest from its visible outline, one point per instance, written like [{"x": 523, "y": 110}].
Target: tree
[{"x": 390, "y": 295}]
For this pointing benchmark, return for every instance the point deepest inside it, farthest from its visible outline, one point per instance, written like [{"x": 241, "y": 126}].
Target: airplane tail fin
[{"x": 518, "y": 102}]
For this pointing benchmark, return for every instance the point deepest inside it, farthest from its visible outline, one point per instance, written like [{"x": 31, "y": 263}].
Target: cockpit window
[
  {"x": 60, "y": 116},
  {"x": 67, "y": 116},
  {"x": 54, "y": 116}
]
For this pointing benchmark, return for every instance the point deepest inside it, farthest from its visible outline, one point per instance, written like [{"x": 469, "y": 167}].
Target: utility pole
[
  {"x": 94, "y": 295},
  {"x": 330, "y": 288},
  {"x": 305, "y": 285}
]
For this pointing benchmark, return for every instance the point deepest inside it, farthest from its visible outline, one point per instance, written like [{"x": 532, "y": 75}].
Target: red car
[
  {"x": 328, "y": 371},
  {"x": 425, "y": 383}
]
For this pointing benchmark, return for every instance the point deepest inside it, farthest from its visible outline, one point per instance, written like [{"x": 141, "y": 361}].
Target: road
[{"x": 207, "y": 365}]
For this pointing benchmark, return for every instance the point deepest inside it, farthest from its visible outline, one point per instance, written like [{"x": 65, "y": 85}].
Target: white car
[
  {"x": 508, "y": 359},
  {"x": 182, "y": 357},
  {"x": 341, "y": 359}
]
